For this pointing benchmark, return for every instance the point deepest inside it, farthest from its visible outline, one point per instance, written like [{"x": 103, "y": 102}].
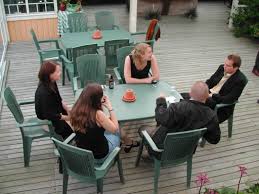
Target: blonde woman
[{"x": 138, "y": 64}]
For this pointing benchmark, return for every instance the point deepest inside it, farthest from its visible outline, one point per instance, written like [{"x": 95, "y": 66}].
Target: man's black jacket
[{"x": 229, "y": 93}]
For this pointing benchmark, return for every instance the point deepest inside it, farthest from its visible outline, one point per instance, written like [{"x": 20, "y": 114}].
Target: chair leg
[
  {"x": 203, "y": 142},
  {"x": 120, "y": 169},
  {"x": 68, "y": 76},
  {"x": 140, "y": 150},
  {"x": 189, "y": 172},
  {"x": 63, "y": 75},
  {"x": 27, "y": 141},
  {"x": 99, "y": 185},
  {"x": 65, "y": 182},
  {"x": 60, "y": 166},
  {"x": 41, "y": 61},
  {"x": 230, "y": 125},
  {"x": 157, "y": 174}
]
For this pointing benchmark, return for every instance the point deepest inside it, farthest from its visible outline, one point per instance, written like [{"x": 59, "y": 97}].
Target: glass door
[{"x": 4, "y": 39}]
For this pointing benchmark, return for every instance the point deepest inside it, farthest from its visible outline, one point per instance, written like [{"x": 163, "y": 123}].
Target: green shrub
[{"x": 246, "y": 19}]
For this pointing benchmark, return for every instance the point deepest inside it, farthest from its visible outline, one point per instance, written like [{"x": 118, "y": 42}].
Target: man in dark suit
[
  {"x": 226, "y": 86},
  {"x": 183, "y": 116}
]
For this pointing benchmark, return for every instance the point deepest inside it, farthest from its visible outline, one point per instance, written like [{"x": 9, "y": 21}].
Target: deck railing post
[{"x": 133, "y": 16}]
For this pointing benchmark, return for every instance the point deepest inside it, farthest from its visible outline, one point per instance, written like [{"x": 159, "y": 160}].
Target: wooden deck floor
[{"x": 188, "y": 50}]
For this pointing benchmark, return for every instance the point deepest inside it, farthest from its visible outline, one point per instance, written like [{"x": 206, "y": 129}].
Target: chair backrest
[
  {"x": 35, "y": 40},
  {"x": 153, "y": 31},
  {"x": 178, "y": 147},
  {"x": 13, "y": 105},
  {"x": 82, "y": 50},
  {"x": 122, "y": 53},
  {"x": 76, "y": 162},
  {"x": 157, "y": 27},
  {"x": 111, "y": 47},
  {"x": 91, "y": 68},
  {"x": 104, "y": 20},
  {"x": 77, "y": 22}
]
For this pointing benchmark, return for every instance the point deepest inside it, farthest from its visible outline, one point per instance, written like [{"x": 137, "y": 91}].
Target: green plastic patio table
[
  {"x": 75, "y": 39},
  {"x": 144, "y": 105}
]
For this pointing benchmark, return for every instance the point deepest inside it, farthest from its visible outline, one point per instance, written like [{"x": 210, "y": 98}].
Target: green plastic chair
[
  {"x": 122, "y": 53},
  {"x": 230, "y": 121},
  {"x": 110, "y": 48},
  {"x": 230, "y": 118},
  {"x": 31, "y": 128},
  {"x": 105, "y": 20},
  {"x": 69, "y": 63},
  {"x": 77, "y": 22},
  {"x": 46, "y": 54},
  {"x": 80, "y": 164},
  {"x": 91, "y": 68},
  {"x": 178, "y": 148}
]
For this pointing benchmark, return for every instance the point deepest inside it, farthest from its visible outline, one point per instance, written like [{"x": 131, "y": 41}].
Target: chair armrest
[
  {"x": 116, "y": 27},
  {"x": 69, "y": 138},
  {"x": 137, "y": 33},
  {"x": 117, "y": 74},
  {"x": 65, "y": 59},
  {"x": 91, "y": 28},
  {"x": 150, "y": 142},
  {"x": 49, "y": 50},
  {"x": 33, "y": 124},
  {"x": 50, "y": 40},
  {"x": 218, "y": 106},
  {"x": 75, "y": 83},
  {"x": 108, "y": 160},
  {"x": 25, "y": 102}
]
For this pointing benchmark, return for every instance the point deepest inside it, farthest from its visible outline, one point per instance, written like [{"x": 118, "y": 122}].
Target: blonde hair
[{"x": 138, "y": 52}]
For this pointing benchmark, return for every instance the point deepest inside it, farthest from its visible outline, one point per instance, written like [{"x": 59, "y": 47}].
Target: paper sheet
[{"x": 170, "y": 99}]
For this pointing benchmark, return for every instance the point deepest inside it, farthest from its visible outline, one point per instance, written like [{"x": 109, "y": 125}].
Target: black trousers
[{"x": 62, "y": 128}]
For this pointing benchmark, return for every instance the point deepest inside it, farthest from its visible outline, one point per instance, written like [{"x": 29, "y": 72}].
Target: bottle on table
[{"x": 111, "y": 82}]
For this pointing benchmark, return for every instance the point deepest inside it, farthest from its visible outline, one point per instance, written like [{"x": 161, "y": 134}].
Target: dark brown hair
[
  {"x": 83, "y": 113},
  {"x": 46, "y": 69},
  {"x": 236, "y": 60}
]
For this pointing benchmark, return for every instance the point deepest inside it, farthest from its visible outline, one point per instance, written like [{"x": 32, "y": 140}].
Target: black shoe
[
  {"x": 258, "y": 101},
  {"x": 132, "y": 145}
]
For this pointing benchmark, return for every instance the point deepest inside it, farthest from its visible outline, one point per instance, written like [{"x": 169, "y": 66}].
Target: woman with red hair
[{"x": 48, "y": 102}]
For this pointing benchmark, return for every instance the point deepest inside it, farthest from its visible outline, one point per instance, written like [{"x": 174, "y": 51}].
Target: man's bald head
[{"x": 199, "y": 91}]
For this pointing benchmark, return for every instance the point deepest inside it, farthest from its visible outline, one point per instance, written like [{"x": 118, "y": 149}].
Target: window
[{"x": 25, "y": 7}]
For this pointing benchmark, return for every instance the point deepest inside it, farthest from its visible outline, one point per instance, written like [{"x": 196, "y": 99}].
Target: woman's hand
[
  {"x": 65, "y": 106},
  {"x": 65, "y": 117},
  {"x": 106, "y": 102},
  {"x": 149, "y": 80}
]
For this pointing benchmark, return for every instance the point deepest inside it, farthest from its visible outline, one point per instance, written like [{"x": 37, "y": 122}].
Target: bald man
[{"x": 185, "y": 115}]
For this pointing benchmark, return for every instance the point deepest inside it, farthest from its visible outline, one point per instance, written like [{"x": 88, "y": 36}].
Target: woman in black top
[
  {"x": 95, "y": 130},
  {"x": 138, "y": 64},
  {"x": 48, "y": 102}
]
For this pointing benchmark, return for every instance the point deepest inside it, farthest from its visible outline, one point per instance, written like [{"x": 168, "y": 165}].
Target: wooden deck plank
[{"x": 188, "y": 50}]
